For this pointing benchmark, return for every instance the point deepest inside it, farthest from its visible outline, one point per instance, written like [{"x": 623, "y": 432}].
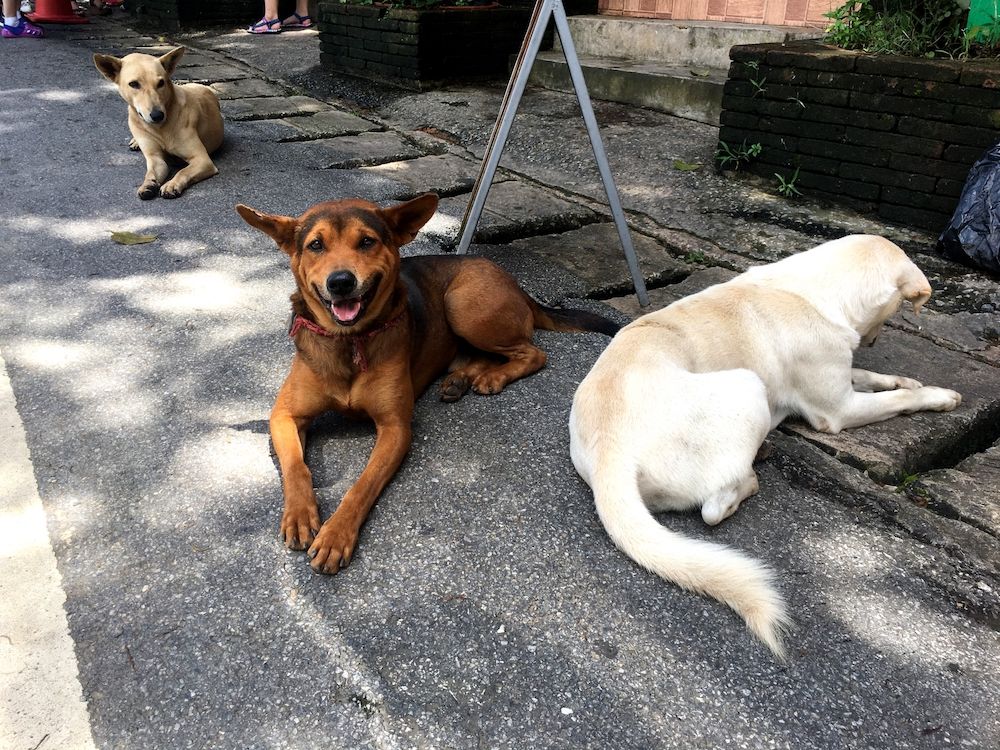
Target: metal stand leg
[{"x": 544, "y": 10}]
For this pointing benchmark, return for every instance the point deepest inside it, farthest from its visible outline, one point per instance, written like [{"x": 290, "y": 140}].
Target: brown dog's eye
[
  {"x": 133, "y": 84},
  {"x": 365, "y": 242},
  {"x": 160, "y": 83},
  {"x": 315, "y": 245}
]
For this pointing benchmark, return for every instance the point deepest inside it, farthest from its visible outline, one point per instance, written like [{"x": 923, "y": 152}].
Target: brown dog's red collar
[{"x": 358, "y": 340}]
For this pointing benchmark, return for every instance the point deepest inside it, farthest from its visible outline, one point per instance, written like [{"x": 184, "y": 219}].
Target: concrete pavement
[{"x": 485, "y": 607}]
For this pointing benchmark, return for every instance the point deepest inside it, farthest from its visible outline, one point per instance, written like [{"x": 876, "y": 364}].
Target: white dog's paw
[
  {"x": 939, "y": 399},
  {"x": 908, "y": 383}
]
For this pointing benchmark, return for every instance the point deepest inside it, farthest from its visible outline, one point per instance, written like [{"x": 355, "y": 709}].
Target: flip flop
[
  {"x": 263, "y": 26},
  {"x": 300, "y": 22}
]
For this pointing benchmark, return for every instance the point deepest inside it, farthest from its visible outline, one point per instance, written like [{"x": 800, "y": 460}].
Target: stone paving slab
[
  {"x": 271, "y": 107},
  {"x": 663, "y": 296},
  {"x": 514, "y": 209},
  {"x": 191, "y": 58},
  {"x": 246, "y": 88},
  {"x": 891, "y": 450},
  {"x": 960, "y": 559},
  {"x": 330, "y": 123},
  {"x": 969, "y": 492},
  {"x": 210, "y": 73},
  {"x": 350, "y": 151},
  {"x": 594, "y": 254},
  {"x": 444, "y": 174}
]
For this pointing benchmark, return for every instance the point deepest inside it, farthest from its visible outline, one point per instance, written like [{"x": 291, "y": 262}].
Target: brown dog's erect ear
[
  {"x": 169, "y": 61},
  {"x": 280, "y": 228},
  {"x": 406, "y": 219},
  {"x": 109, "y": 66}
]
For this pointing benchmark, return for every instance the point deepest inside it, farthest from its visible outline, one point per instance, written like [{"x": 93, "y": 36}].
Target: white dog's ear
[
  {"x": 109, "y": 66},
  {"x": 169, "y": 61},
  {"x": 915, "y": 288}
]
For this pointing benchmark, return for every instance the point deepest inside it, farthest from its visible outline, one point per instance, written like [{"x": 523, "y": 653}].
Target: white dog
[{"x": 675, "y": 409}]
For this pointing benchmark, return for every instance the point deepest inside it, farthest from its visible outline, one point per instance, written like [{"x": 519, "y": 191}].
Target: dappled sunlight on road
[
  {"x": 80, "y": 231},
  {"x": 221, "y": 460},
  {"x": 60, "y": 95},
  {"x": 866, "y": 605},
  {"x": 184, "y": 293},
  {"x": 53, "y": 355}
]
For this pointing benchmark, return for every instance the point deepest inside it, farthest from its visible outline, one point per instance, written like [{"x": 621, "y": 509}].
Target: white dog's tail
[{"x": 703, "y": 567}]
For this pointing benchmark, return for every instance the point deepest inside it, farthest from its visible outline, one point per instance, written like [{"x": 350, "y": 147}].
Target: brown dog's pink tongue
[{"x": 346, "y": 309}]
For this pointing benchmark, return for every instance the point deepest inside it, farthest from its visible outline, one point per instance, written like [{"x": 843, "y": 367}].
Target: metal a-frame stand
[{"x": 544, "y": 10}]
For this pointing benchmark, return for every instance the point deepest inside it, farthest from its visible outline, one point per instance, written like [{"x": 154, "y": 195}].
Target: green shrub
[{"x": 918, "y": 28}]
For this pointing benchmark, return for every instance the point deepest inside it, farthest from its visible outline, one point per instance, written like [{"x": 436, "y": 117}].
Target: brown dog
[
  {"x": 372, "y": 331},
  {"x": 183, "y": 121}
]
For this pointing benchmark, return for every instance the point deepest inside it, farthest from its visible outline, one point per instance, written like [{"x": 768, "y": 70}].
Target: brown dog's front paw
[
  {"x": 148, "y": 190},
  {"x": 299, "y": 526},
  {"x": 133, "y": 145},
  {"x": 453, "y": 387},
  {"x": 333, "y": 547},
  {"x": 489, "y": 383}
]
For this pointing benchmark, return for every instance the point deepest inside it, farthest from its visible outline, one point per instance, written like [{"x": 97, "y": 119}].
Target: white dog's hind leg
[
  {"x": 867, "y": 408},
  {"x": 867, "y": 381},
  {"x": 717, "y": 509}
]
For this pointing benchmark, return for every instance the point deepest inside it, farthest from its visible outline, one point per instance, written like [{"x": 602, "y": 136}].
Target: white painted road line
[{"x": 41, "y": 702}]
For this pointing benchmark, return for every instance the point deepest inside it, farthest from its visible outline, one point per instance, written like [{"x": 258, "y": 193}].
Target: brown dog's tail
[{"x": 554, "y": 319}]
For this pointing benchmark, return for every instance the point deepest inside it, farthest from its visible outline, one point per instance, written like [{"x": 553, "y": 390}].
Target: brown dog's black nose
[
  {"x": 157, "y": 115},
  {"x": 341, "y": 283}
]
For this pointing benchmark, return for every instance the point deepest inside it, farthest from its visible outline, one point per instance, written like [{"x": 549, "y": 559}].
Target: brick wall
[
  {"x": 893, "y": 135},
  {"x": 420, "y": 45}
]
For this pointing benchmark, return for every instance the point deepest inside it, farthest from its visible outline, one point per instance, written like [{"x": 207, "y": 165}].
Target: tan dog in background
[
  {"x": 182, "y": 121},
  {"x": 674, "y": 411}
]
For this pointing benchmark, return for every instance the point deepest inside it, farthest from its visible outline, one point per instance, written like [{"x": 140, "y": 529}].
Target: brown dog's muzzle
[{"x": 346, "y": 297}]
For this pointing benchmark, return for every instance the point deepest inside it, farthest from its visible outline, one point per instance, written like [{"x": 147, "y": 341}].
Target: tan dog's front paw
[
  {"x": 299, "y": 525},
  {"x": 133, "y": 144},
  {"x": 908, "y": 383},
  {"x": 333, "y": 547},
  {"x": 148, "y": 190},
  {"x": 171, "y": 189}
]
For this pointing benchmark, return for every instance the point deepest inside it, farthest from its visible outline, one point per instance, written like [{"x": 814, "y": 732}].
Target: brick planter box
[
  {"x": 892, "y": 135},
  {"x": 420, "y": 46}
]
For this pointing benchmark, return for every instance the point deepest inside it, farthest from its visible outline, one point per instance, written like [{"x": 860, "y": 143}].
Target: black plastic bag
[{"x": 973, "y": 235}]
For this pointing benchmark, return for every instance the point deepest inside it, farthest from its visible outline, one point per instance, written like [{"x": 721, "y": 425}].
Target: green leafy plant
[
  {"x": 918, "y": 28},
  {"x": 787, "y": 187},
  {"x": 733, "y": 157}
]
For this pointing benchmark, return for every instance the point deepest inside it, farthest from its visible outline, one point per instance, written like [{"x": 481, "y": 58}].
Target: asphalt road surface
[{"x": 485, "y": 606}]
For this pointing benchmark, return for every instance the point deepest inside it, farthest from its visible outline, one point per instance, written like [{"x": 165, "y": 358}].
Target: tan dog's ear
[
  {"x": 279, "y": 228},
  {"x": 406, "y": 219},
  {"x": 169, "y": 61},
  {"x": 109, "y": 66}
]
